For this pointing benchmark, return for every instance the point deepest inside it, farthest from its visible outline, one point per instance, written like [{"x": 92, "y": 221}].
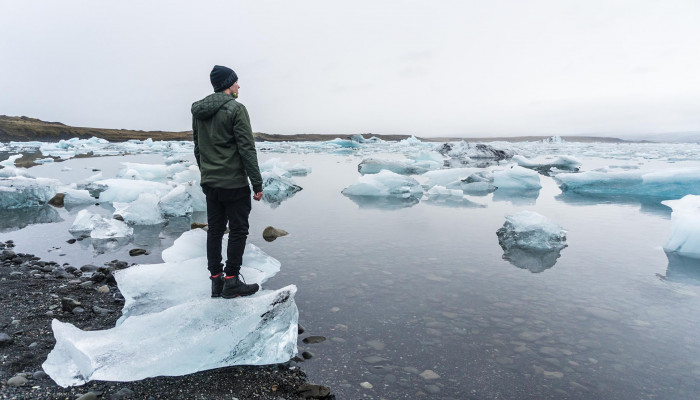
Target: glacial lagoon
[{"x": 414, "y": 294}]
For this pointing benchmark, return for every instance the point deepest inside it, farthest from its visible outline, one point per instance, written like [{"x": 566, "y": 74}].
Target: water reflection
[
  {"x": 534, "y": 261},
  {"x": 682, "y": 269},
  {"x": 648, "y": 205},
  {"x": 455, "y": 202},
  {"x": 517, "y": 197},
  {"x": 383, "y": 203},
  {"x": 21, "y": 217},
  {"x": 274, "y": 199},
  {"x": 102, "y": 246}
]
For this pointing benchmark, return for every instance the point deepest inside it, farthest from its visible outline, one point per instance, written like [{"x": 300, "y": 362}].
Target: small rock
[
  {"x": 270, "y": 233},
  {"x": 100, "y": 310},
  {"x": 68, "y": 304},
  {"x": 88, "y": 396},
  {"x": 104, "y": 289},
  {"x": 366, "y": 385},
  {"x": 118, "y": 217},
  {"x": 307, "y": 355},
  {"x": 300, "y": 329},
  {"x": 429, "y": 375},
  {"x": 311, "y": 391},
  {"x": 58, "y": 200},
  {"x": 313, "y": 339},
  {"x": 137, "y": 252},
  {"x": 198, "y": 225},
  {"x": 89, "y": 268},
  {"x": 18, "y": 380},
  {"x": 39, "y": 375},
  {"x": 432, "y": 389},
  {"x": 78, "y": 310},
  {"x": 5, "y": 339},
  {"x": 123, "y": 393},
  {"x": 71, "y": 241}
]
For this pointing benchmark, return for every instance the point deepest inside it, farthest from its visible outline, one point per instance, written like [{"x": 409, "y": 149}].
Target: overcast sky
[{"x": 429, "y": 68}]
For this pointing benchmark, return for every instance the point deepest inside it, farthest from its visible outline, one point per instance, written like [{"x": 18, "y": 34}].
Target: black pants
[{"x": 224, "y": 206}]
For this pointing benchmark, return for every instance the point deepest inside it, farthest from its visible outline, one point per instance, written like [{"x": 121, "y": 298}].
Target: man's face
[{"x": 234, "y": 88}]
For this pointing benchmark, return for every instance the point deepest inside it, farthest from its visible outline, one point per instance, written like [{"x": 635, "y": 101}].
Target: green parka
[{"x": 223, "y": 143}]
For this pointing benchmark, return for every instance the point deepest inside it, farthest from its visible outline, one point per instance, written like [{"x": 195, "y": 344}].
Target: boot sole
[{"x": 237, "y": 295}]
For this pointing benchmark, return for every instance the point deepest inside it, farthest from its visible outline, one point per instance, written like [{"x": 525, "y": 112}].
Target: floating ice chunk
[
  {"x": 474, "y": 181},
  {"x": 544, "y": 165},
  {"x": 190, "y": 174},
  {"x": 148, "y": 172},
  {"x": 344, "y": 143},
  {"x": 142, "y": 211},
  {"x": 685, "y": 227},
  {"x": 277, "y": 188},
  {"x": 441, "y": 191},
  {"x": 411, "y": 141},
  {"x": 516, "y": 177},
  {"x": 669, "y": 183},
  {"x": 177, "y": 203},
  {"x": 10, "y": 162},
  {"x": 385, "y": 183},
  {"x": 532, "y": 231},
  {"x": 23, "y": 192},
  {"x": 299, "y": 170},
  {"x": 126, "y": 190},
  {"x": 553, "y": 139},
  {"x": 99, "y": 226},
  {"x": 10, "y": 172},
  {"x": 403, "y": 167},
  {"x": 209, "y": 333},
  {"x": 76, "y": 196},
  {"x": 477, "y": 151},
  {"x": 66, "y": 169}
]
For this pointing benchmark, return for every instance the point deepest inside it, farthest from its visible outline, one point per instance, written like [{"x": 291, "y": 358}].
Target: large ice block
[
  {"x": 385, "y": 184},
  {"x": 547, "y": 164},
  {"x": 517, "y": 177},
  {"x": 172, "y": 327},
  {"x": 402, "y": 167},
  {"x": 142, "y": 211},
  {"x": 685, "y": 227},
  {"x": 474, "y": 151},
  {"x": 277, "y": 188},
  {"x": 23, "y": 192},
  {"x": 532, "y": 231},
  {"x": 99, "y": 226},
  {"x": 668, "y": 182},
  {"x": 127, "y": 190}
]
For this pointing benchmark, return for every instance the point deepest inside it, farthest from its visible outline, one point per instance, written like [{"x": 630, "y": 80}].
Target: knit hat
[{"x": 222, "y": 78}]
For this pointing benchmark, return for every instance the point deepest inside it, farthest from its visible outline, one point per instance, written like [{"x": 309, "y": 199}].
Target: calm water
[{"x": 401, "y": 289}]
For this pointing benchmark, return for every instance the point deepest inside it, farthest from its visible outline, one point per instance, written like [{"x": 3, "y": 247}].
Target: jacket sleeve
[
  {"x": 246, "y": 146},
  {"x": 196, "y": 142}
]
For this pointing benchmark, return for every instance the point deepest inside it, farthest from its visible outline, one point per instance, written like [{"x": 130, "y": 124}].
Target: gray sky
[{"x": 458, "y": 68}]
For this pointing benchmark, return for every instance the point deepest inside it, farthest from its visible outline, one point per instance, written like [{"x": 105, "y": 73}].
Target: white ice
[
  {"x": 22, "y": 191},
  {"x": 532, "y": 231},
  {"x": 668, "y": 182},
  {"x": 384, "y": 184},
  {"x": 127, "y": 190},
  {"x": 685, "y": 226},
  {"x": 76, "y": 196},
  {"x": 517, "y": 178},
  {"x": 142, "y": 211},
  {"x": 277, "y": 188},
  {"x": 403, "y": 167},
  {"x": 549, "y": 162},
  {"x": 168, "y": 331},
  {"x": 468, "y": 180},
  {"x": 99, "y": 226},
  {"x": 177, "y": 203}
]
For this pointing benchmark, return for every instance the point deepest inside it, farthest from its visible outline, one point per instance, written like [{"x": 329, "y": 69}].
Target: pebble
[
  {"x": 555, "y": 374},
  {"x": 300, "y": 329},
  {"x": 17, "y": 381},
  {"x": 5, "y": 339},
  {"x": 313, "y": 339},
  {"x": 100, "y": 310},
  {"x": 307, "y": 355},
  {"x": 373, "y": 359},
  {"x": 68, "y": 304},
  {"x": 137, "y": 252},
  {"x": 309, "y": 390},
  {"x": 429, "y": 375},
  {"x": 39, "y": 375},
  {"x": 123, "y": 393},
  {"x": 78, "y": 310},
  {"x": 366, "y": 385},
  {"x": 432, "y": 389},
  {"x": 104, "y": 289},
  {"x": 71, "y": 241},
  {"x": 88, "y": 396},
  {"x": 376, "y": 344}
]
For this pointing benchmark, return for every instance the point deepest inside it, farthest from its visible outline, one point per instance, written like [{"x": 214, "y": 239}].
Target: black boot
[
  {"x": 217, "y": 285},
  {"x": 235, "y": 287}
]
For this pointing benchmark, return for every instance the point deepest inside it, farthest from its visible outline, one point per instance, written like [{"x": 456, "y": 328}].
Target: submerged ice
[{"x": 210, "y": 333}]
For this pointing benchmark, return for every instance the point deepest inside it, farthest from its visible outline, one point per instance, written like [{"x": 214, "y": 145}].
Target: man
[{"x": 225, "y": 151}]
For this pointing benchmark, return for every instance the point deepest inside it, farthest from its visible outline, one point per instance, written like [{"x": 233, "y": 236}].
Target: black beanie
[{"x": 222, "y": 78}]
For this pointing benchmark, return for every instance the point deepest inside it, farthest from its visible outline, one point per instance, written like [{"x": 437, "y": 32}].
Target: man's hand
[{"x": 257, "y": 196}]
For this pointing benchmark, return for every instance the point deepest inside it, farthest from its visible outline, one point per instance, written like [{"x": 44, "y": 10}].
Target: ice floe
[
  {"x": 385, "y": 184},
  {"x": 549, "y": 164},
  {"x": 210, "y": 333},
  {"x": 99, "y": 227},
  {"x": 403, "y": 167},
  {"x": 531, "y": 241},
  {"x": 144, "y": 210},
  {"x": 21, "y": 191},
  {"x": 685, "y": 227},
  {"x": 516, "y": 177}
]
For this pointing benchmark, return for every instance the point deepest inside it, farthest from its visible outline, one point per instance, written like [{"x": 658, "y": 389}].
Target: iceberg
[
  {"x": 148, "y": 172},
  {"x": 385, "y": 184},
  {"x": 517, "y": 177},
  {"x": 209, "y": 332},
  {"x": 142, "y": 211},
  {"x": 23, "y": 192},
  {"x": 465, "y": 150},
  {"x": 99, "y": 226},
  {"x": 127, "y": 190},
  {"x": 474, "y": 181},
  {"x": 671, "y": 183},
  {"x": 177, "y": 203},
  {"x": 547, "y": 165},
  {"x": 277, "y": 188},
  {"x": 531, "y": 231},
  {"x": 685, "y": 227},
  {"x": 403, "y": 167}
]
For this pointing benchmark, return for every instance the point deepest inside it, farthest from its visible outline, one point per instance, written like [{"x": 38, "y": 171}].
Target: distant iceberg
[
  {"x": 385, "y": 184},
  {"x": 668, "y": 183},
  {"x": 516, "y": 177},
  {"x": 402, "y": 167}
]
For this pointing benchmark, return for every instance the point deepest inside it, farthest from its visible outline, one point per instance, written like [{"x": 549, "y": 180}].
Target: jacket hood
[{"x": 208, "y": 106}]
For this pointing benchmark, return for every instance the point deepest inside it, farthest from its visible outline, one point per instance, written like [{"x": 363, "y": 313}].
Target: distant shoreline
[{"x": 25, "y": 129}]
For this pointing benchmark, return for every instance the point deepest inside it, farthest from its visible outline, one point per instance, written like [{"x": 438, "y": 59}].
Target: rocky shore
[{"x": 34, "y": 292}]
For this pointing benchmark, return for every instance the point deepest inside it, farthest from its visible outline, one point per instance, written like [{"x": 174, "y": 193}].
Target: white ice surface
[
  {"x": 177, "y": 203},
  {"x": 179, "y": 331},
  {"x": 127, "y": 190},
  {"x": 517, "y": 177},
  {"x": 685, "y": 226},
  {"x": 24, "y": 192},
  {"x": 99, "y": 226},
  {"x": 384, "y": 184},
  {"x": 402, "y": 167},
  {"x": 532, "y": 231},
  {"x": 142, "y": 211},
  {"x": 561, "y": 162},
  {"x": 668, "y": 182}
]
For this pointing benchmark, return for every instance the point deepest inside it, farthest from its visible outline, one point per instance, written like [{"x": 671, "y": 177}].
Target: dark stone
[
  {"x": 98, "y": 277},
  {"x": 137, "y": 252},
  {"x": 313, "y": 339},
  {"x": 118, "y": 217},
  {"x": 88, "y": 396},
  {"x": 198, "y": 225},
  {"x": 123, "y": 393},
  {"x": 270, "y": 233},
  {"x": 71, "y": 241},
  {"x": 307, "y": 355},
  {"x": 39, "y": 375},
  {"x": 311, "y": 391},
  {"x": 57, "y": 200},
  {"x": 300, "y": 329},
  {"x": 100, "y": 310},
  {"x": 70, "y": 269},
  {"x": 68, "y": 304},
  {"x": 5, "y": 339}
]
